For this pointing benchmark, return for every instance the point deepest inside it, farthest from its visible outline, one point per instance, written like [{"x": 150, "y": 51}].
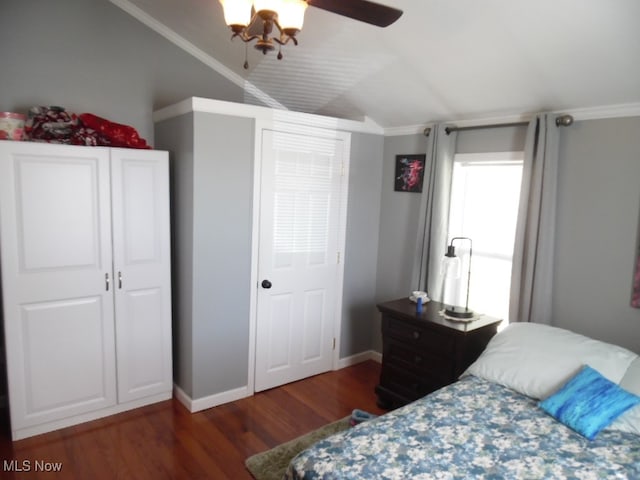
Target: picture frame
[{"x": 409, "y": 173}]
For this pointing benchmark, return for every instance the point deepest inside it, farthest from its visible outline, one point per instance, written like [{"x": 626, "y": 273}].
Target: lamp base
[{"x": 458, "y": 312}]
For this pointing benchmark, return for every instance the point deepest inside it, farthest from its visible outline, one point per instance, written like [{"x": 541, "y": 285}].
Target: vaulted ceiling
[{"x": 442, "y": 60}]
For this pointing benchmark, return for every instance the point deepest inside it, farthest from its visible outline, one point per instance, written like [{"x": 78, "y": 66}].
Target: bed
[{"x": 498, "y": 420}]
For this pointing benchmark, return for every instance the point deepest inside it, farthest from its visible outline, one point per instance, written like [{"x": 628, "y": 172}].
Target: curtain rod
[
  {"x": 561, "y": 121},
  {"x": 448, "y": 130}
]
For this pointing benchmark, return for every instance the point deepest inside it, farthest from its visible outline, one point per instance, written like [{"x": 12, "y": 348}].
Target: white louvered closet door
[{"x": 298, "y": 256}]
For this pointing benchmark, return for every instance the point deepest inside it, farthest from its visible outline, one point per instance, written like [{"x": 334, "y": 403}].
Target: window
[{"x": 485, "y": 194}]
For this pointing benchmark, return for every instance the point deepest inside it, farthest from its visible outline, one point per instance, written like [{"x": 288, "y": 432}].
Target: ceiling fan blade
[{"x": 363, "y": 10}]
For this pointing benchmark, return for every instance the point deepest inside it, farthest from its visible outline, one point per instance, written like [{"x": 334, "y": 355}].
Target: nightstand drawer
[
  {"x": 416, "y": 335},
  {"x": 407, "y": 384},
  {"x": 418, "y": 361}
]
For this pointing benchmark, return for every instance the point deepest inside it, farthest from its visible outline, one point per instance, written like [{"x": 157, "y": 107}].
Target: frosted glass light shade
[
  {"x": 237, "y": 12},
  {"x": 450, "y": 267},
  {"x": 291, "y": 14}
]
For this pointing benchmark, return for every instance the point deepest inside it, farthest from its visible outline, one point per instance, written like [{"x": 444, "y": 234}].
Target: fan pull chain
[
  {"x": 280, "y": 52},
  {"x": 246, "y": 53}
]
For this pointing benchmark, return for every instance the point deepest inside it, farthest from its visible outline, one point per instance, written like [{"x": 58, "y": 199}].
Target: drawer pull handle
[{"x": 416, "y": 335}]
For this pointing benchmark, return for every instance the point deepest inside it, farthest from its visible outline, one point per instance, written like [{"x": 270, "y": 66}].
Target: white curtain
[
  {"x": 532, "y": 271},
  {"x": 433, "y": 218}
]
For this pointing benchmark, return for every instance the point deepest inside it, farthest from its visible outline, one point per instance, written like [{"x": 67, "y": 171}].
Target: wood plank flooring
[{"x": 165, "y": 441}]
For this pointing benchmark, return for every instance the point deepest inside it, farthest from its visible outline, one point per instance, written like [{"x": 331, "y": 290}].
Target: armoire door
[
  {"x": 298, "y": 259},
  {"x": 142, "y": 272},
  {"x": 55, "y": 241}
]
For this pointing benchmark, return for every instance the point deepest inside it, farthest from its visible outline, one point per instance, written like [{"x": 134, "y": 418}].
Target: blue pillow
[{"x": 589, "y": 402}]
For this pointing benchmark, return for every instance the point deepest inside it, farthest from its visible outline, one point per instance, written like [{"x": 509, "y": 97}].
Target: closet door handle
[
  {"x": 106, "y": 281},
  {"x": 119, "y": 279}
]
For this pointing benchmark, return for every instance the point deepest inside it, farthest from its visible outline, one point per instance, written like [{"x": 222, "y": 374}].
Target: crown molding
[
  {"x": 605, "y": 111},
  {"x": 191, "y": 49},
  {"x": 588, "y": 113},
  {"x": 408, "y": 130}
]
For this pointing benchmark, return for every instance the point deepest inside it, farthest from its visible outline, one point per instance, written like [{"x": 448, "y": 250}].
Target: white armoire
[{"x": 86, "y": 286}]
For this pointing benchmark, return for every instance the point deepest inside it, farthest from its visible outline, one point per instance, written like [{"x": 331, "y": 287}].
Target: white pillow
[
  {"x": 536, "y": 360},
  {"x": 629, "y": 421}
]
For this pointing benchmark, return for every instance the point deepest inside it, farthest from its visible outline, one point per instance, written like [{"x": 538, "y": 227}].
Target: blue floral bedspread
[{"x": 469, "y": 430}]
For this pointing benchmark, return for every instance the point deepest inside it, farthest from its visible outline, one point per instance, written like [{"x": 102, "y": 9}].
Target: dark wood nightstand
[{"x": 424, "y": 352}]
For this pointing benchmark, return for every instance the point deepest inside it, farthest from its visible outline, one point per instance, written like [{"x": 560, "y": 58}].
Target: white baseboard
[
  {"x": 236, "y": 394},
  {"x": 359, "y": 358},
  {"x": 210, "y": 401}
]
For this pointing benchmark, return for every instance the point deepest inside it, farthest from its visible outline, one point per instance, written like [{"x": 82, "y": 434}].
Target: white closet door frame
[{"x": 271, "y": 124}]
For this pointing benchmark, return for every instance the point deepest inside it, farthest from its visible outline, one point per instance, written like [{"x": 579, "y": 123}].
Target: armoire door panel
[
  {"x": 141, "y": 252},
  {"x": 143, "y": 348},
  {"x": 140, "y": 215},
  {"x": 55, "y": 230},
  {"x": 67, "y": 367},
  {"x": 59, "y": 226}
]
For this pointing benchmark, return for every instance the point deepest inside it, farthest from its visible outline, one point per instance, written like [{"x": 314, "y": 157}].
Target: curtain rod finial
[{"x": 564, "y": 120}]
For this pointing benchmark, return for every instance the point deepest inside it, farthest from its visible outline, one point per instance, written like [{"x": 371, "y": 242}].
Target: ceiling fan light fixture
[
  {"x": 291, "y": 15},
  {"x": 237, "y": 13},
  {"x": 246, "y": 17}
]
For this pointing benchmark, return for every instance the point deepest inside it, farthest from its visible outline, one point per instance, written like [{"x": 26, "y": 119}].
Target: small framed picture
[{"x": 409, "y": 173}]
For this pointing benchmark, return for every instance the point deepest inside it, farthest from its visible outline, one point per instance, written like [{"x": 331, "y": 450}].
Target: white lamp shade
[
  {"x": 291, "y": 14},
  {"x": 237, "y": 12}
]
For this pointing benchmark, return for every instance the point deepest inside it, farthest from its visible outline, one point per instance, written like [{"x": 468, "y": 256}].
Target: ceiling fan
[
  {"x": 254, "y": 19},
  {"x": 363, "y": 10}
]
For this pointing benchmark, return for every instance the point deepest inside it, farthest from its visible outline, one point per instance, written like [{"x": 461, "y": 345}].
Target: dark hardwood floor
[{"x": 166, "y": 441}]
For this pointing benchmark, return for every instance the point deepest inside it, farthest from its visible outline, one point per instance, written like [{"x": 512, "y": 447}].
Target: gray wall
[
  {"x": 597, "y": 225},
  {"x": 398, "y": 222},
  {"x": 398, "y": 228},
  {"x": 91, "y": 56},
  {"x": 399, "y": 210},
  {"x": 223, "y": 206},
  {"x": 363, "y": 220},
  {"x": 178, "y": 133},
  {"x": 212, "y": 192},
  {"x": 506, "y": 139},
  {"x": 597, "y": 230}
]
